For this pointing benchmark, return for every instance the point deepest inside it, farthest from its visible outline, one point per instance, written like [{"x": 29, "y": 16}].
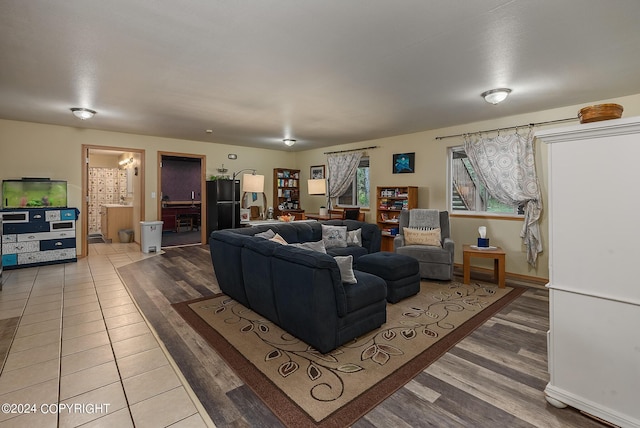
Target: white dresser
[{"x": 594, "y": 261}]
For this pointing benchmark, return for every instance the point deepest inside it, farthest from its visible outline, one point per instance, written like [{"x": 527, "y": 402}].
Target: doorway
[
  {"x": 181, "y": 190},
  {"x": 113, "y": 189}
]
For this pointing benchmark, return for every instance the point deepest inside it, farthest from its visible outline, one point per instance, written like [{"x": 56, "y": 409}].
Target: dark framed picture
[
  {"x": 404, "y": 163},
  {"x": 316, "y": 172}
]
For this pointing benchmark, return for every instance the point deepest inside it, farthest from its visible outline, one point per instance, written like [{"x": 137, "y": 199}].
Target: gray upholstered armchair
[{"x": 435, "y": 262}]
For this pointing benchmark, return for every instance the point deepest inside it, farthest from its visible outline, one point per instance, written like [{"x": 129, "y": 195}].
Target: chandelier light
[
  {"x": 83, "y": 113},
  {"x": 495, "y": 96}
]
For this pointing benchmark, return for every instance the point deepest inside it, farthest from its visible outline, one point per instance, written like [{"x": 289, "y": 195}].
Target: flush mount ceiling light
[
  {"x": 289, "y": 141},
  {"x": 83, "y": 113},
  {"x": 496, "y": 96}
]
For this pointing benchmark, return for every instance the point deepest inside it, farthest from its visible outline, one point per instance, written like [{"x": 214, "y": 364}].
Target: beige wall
[
  {"x": 29, "y": 149},
  {"x": 39, "y": 150},
  {"x": 431, "y": 177}
]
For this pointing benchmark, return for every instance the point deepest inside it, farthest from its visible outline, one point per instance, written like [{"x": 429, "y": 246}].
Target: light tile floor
[{"x": 81, "y": 341}]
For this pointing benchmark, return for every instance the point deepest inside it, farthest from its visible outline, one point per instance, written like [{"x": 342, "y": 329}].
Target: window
[
  {"x": 467, "y": 195},
  {"x": 358, "y": 194}
]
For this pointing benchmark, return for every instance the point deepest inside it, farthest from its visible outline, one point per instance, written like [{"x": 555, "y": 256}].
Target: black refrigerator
[{"x": 219, "y": 205}]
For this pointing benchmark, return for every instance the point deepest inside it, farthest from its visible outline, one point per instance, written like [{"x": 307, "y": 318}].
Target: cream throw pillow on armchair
[{"x": 422, "y": 237}]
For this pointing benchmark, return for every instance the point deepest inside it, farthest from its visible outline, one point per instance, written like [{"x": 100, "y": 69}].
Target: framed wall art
[
  {"x": 404, "y": 163},
  {"x": 316, "y": 172}
]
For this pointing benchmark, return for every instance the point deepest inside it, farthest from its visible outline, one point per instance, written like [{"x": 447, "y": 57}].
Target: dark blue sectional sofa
[{"x": 298, "y": 289}]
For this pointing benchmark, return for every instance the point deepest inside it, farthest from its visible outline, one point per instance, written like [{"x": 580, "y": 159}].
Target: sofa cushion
[
  {"x": 346, "y": 270},
  {"x": 356, "y": 252},
  {"x": 299, "y": 259},
  {"x": 294, "y": 232},
  {"x": 334, "y": 236},
  {"x": 368, "y": 290},
  {"x": 426, "y": 253}
]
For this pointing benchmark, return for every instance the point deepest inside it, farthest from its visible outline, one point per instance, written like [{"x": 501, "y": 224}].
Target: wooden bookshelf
[
  {"x": 390, "y": 201},
  {"x": 286, "y": 192}
]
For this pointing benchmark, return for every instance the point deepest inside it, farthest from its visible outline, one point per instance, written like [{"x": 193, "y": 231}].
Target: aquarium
[{"x": 34, "y": 193}]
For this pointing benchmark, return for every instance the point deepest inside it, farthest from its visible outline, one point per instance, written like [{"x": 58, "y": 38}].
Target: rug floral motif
[{"x": 322, "y": 383}]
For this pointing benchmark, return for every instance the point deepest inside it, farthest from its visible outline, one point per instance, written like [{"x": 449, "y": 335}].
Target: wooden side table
[{"x": 495, "y": 253}]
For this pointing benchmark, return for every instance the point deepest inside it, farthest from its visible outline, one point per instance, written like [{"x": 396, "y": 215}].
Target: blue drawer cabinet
[{"x": 33, "y": 237}]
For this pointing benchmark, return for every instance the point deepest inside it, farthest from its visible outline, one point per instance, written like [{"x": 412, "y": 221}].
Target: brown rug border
[{"x": 289, "y": 412}]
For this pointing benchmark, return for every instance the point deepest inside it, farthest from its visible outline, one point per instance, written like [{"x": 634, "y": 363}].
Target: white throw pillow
[
  {"x": 267, "y": 234},
  {"x": 422, "y": 237},
  {"x": 313, "y": 246},
  {"x": 354, "y": 238},
  {"x": 279, "y": 239},
  {"x": 334, "y": 236},
  {"x": 346, "y": 269}
]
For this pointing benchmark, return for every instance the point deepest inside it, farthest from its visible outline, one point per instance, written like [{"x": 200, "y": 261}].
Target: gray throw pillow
[
  {"x": 334, "y": 236},
  {"x": 267, "y": 234},
  {"x": 346, "y": 269},
  {"x": 313, "y": 246},
  {"x": 354, "y": 238}
]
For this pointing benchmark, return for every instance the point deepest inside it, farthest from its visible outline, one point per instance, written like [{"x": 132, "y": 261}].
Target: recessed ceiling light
[
  {"x": 289, "y": 141},
  {"x": 83, "y": 113},
  {"x": 209, "y": 131},
  {"x": 495, "y": 96}
]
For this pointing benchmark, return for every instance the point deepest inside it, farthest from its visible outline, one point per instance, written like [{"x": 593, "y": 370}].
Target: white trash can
[{"x": 150, "y": 236}]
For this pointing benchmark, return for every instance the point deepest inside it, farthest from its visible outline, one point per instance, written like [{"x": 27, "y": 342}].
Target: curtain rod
[
  {"x": 510, "y": 127},
  {"x": 351, "y": 150}
]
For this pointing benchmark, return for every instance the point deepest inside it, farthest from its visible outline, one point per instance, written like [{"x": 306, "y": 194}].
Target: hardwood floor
[{"x": 493, "y": 378}]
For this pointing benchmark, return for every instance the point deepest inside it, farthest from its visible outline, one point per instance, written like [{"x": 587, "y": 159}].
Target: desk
[
  {"x": 172, "y": 212},
  {"x": 316, "y": 216},
  {"x": 262, "y": 222},
  {"x": 336, "y": 216},
  {"x": 498, "y": 256}
]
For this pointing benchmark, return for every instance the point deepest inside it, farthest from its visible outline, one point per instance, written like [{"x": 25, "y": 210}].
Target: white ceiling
[{"x": 323, "y": 72}]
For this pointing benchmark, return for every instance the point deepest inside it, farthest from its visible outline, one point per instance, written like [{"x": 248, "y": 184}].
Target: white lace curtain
[
  {"x": 342, "y": 170},
  {"x": 505, "y": 165}
]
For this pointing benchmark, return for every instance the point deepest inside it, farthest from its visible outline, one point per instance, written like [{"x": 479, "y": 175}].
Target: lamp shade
[
  {"x": 252, "y": 183},
  {"x": 317, "y": 186}
]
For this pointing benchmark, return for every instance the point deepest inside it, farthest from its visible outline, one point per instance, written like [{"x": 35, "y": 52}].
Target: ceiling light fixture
[
  {"x": 289, "y": 141},
  {"x": 83, "y": 113},
  {"x": 496, "y": 96}
]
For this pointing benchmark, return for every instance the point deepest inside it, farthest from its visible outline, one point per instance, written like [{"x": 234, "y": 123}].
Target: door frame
[
  {"x": 203, "y": 188},
  {"x": 84, "y": 208}
]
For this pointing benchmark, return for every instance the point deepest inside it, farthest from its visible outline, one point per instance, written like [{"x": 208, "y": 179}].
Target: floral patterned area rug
[{"x": 306, "y": 388}]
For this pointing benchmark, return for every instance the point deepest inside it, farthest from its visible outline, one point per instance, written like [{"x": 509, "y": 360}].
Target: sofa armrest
[
  {"x": 398, "y": 242},
  {"x": 448, "y": 244}
]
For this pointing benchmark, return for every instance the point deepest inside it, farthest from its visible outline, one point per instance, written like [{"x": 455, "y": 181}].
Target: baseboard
[{"x": 538, "y": 281}]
